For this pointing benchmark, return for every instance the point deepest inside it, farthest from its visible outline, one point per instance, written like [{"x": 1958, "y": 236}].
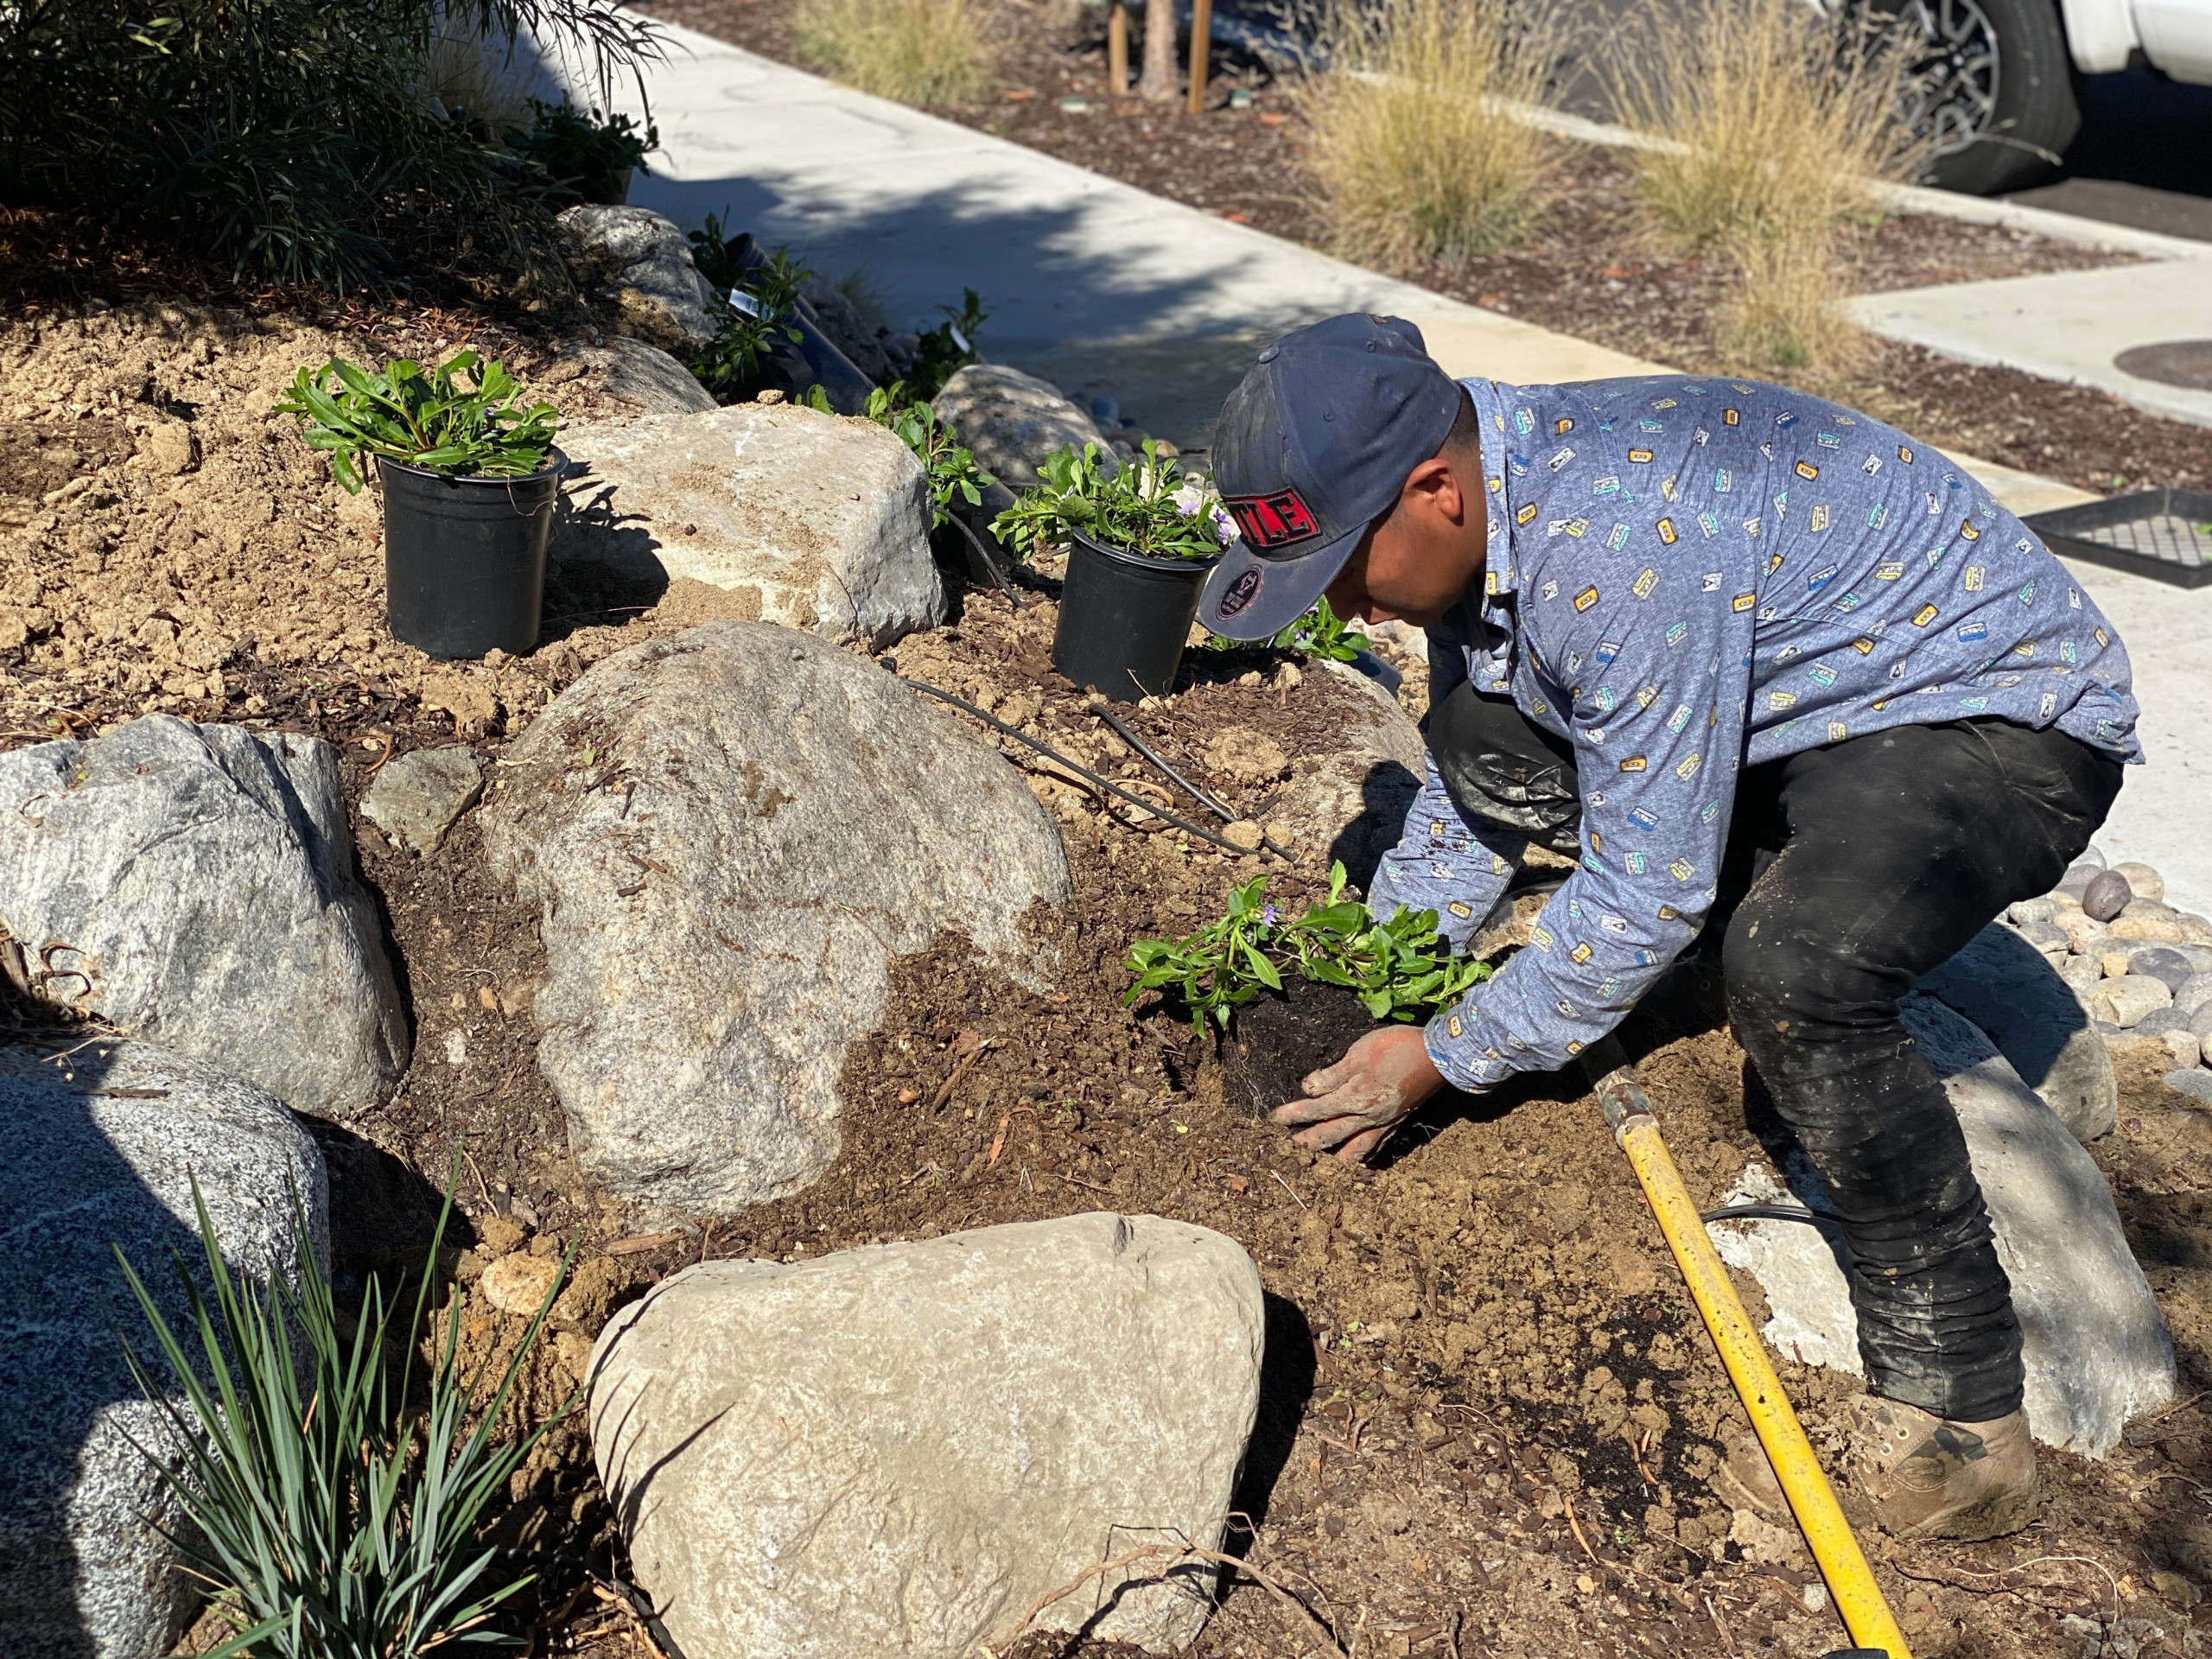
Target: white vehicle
[{"x": 1996, "y": 82}]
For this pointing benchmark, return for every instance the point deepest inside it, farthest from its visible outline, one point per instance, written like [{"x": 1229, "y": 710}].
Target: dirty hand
[{"x": 1354, "y": 1104}]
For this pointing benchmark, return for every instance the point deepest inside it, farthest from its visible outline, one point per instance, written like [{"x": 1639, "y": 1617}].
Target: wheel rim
[{"x": 1949, "y": 92}]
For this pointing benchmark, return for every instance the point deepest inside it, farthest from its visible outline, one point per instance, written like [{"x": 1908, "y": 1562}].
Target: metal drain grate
[{"x": 2166, "y": 535}]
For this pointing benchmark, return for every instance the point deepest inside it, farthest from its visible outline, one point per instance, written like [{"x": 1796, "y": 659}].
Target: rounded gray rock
[
  {"x": 100, "y": 1152},
  {"x": 2142, "y": 880},
  {"x": 2159, "y": 1022},
  {"x": 2194, "y": 993},
  {"x": 2197, "y": 1082},
  {"x": 2107, "y": 895},
  {"x": 2162, "y": 962}
]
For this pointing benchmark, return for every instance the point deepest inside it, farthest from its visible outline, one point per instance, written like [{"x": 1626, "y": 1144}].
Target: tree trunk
[{"x": 1160, "y": 82}]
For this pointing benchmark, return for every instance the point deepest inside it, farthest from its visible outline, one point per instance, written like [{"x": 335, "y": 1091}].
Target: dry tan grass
[
  {"x": 1415, "y": 145},
  {"x": 1772, "y": 118},
  {"x": 920, "y": 52}
]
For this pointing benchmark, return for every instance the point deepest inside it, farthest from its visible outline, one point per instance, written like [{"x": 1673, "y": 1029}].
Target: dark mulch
[{"x": 1589, "y": 272}]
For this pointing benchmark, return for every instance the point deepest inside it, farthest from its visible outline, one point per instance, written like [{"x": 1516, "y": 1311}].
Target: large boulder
[
  {"x": 731, "y": 832},
  {"x": 818, "y": 522},
  {"x": 2096, "y": 1349},
  {"x": 2006, "y": 986},
  {"x": 893, "y": 1453},
  {"x": 1349, "y": 804},
  {"x": 640, "y": 264},
  {"x": 1012, "y": 421},
  {"x": 641, "y": 375},
  {"x": 99, "y": 1155},
  {"x": 193, "y": 887}
]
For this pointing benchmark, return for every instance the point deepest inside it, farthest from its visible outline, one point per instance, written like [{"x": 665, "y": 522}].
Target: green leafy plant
[
  {"x": 1320, "y": 633},
  {"x": 762, "y": 299},
  {"x": 1142, "y": 507},
  {"x": 953, "y": 475},
  {"x": 433, "y": 418},
  {"x": 585, "y": 151},
  {"x": 719, "y": 255},
  {"x": 337, "y": 1515},
  {"x": 1401, "y": 970},
  {"x": 943, "y": 350}
]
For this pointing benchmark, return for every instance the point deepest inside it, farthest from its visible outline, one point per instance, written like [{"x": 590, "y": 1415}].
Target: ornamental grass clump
[
  {"x": 1142, "y": 506},
  {"x": 1414, "y": 140},
  {"x": 921, "y": 52},
  {"x": 1400, "y": 969},
  {"x": 1772, "y": 117},
  {"x": 465, "y": 417},
  {"x": 338, "y": 1500}
]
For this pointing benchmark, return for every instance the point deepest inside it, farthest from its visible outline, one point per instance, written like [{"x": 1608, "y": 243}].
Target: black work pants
[{"x": 1851, "y": 870}]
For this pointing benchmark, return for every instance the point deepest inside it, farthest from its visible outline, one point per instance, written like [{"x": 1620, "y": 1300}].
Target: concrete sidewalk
[{"x": 1111, "y": 291}]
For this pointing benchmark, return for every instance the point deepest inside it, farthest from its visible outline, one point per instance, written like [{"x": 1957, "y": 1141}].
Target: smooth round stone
[
  {"x": 2112, "y": 963},
  {"x": 2183, "y": 1046},
  {"x": 2159, "y": 1022},
  {"x": 2194, "y": 993},
  {"x": 2107, "y": 895},
  {"x": 2077, "y": 878},
  {"x": 2200, "y": 1023},
  {"x": 2083, "y": 932},
  {"x": 2146, "y": 918},
  {"x": 2044, "y": 936},
  {"x": 2162, "y": 962},
  {"x": 2082, "y": 973},
  {"x": 2030, "y": 911},
  {"x": 2126, "y": 1000},
  {"x": 2142, "y": 880},
  {"x": 2197, "y": 1082}
]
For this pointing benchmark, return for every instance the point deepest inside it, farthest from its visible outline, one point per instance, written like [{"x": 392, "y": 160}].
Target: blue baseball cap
[{"x": 1312, "y": 448}]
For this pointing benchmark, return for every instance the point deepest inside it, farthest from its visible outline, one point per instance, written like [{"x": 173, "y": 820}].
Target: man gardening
[{"x": 1763, "y": 667}]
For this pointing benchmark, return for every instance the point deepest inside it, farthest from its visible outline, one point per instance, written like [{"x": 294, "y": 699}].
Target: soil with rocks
[
  {"x": 1588, "y": 269},
  {"x": 1490, "y": 1413}
]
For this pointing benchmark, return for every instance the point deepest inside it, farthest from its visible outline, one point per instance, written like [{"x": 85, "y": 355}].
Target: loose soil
[
  {"x": 1490, "y": 1415},
  {"x": 1589, "y": 271}
]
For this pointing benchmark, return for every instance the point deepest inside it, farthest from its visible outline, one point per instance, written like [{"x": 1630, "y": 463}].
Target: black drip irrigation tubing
[
  {"x": 1110, "y": 787},
  {"x": 1771, "y": 1213},
  {"x": 1189, "y": 788}
]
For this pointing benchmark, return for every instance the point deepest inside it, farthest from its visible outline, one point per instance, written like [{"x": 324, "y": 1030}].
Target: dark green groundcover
[{"x": 291, "y": 138}]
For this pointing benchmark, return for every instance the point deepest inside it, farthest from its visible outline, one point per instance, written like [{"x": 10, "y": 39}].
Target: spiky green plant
[{"x": 339, "y": 1516}]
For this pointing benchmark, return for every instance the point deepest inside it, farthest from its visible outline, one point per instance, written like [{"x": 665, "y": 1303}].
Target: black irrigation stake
[
  {"x": 1110, "y": 787},
  {"x": 1189, "y": 788}
]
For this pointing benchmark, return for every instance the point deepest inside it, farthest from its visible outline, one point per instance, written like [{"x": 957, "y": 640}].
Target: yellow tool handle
[{"x": 1866, "y": 1612}]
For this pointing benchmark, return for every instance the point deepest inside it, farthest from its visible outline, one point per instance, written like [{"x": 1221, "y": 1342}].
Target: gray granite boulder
[
  {"x": 1350, "y": 802},
  {"x": 193, "y": 886},
  {"x": 894, "y": 1453},
  {"x": 1013, "y": 421},
  {"x": 640, "y": 264},
  {"x": 2003, "y": 984},
  {"x": 101, "y": 1150},
  {"x": 815, "y": 521},
  {"x": 2096, "y": 1346},
  {"x": 731, "y": 832}
]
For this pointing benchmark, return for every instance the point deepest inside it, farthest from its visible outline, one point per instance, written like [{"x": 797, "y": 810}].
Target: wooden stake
[
  {"x": 1201, "y": 52},
  {"x": 1117, "y": 48}
]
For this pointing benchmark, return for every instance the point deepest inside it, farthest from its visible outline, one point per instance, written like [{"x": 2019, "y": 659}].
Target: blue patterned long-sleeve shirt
[{"x": 1686, "y": 577}]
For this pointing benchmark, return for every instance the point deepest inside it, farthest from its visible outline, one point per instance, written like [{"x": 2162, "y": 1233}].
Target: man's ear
[{"x": 1435, "y": 486}]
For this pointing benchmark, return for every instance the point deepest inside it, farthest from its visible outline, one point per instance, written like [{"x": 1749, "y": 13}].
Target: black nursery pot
[
  {"x": 1123, "y": 618},
  {"x": 464, "y": 558}
]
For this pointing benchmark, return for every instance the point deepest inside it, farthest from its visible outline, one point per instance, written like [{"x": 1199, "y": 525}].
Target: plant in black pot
[
  {"x": 1140, "y": 542},
  {"x": 1262, "y": 979},
  {"x": 583, "y": 151},
  {"x": 470, "y": 475}
]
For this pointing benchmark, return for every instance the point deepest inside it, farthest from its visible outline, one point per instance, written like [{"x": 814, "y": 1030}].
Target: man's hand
[{"x": 1354, "y": 1104}]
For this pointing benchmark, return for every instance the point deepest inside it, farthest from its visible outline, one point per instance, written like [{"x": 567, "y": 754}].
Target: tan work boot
[{"x": 1929, "y": 1479}]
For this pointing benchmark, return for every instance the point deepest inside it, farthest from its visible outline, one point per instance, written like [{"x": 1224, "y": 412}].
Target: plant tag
[
  {"x": 958, "y": 339},
  {"x": 742, "y": 301}
]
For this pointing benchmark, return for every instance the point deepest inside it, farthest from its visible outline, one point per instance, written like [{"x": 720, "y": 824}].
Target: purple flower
[{"x": 1268, "y": 915}]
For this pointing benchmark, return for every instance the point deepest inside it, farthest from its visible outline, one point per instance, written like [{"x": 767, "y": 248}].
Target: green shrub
[
  {"x": 429, "y": 419},
  {"x": 1319, "y": 632},
  {"x": 922, "y": 52},
  {"x": 953, "y": 475},
  {"x": 1400, "y": 968},
  {"x": 945, "y": 350},
  {"x": 336, "y": 1517},
  {"x": 294, "y": 140},
  {"x": 585, "y": 152},
  {"x": 731, "y": 364}
]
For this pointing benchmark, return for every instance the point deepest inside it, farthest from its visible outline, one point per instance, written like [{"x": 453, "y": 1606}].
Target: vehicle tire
[{"x": 1995, "y": 87}]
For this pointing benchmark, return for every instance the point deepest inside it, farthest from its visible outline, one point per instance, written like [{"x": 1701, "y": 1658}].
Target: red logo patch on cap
[{"x": 1272, "y": 521}]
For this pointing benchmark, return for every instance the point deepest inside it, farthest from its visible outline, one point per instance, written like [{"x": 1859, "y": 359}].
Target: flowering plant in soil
[
  {"x": 1400, "y": 968},
  {"x": 1143, "y": 508},
  {"x": 1320, "y": 633},
  {"x": 430, "y": 418}
]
